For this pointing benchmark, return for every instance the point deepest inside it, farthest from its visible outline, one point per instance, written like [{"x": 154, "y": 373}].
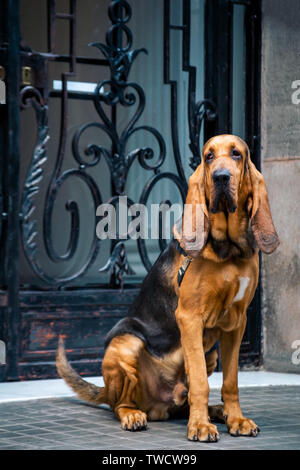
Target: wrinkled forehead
[{"x": 224, "y": 143}]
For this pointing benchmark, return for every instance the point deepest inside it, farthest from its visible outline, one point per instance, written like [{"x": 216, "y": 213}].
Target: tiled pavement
[{"x": 67, "y": 423}]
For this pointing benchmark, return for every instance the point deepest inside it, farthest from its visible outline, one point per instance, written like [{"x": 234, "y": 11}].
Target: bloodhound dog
[{"x": 158, "y": 358}]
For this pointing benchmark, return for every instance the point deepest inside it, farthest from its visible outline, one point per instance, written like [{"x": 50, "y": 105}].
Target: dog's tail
[{"x": 85, "y": 390}]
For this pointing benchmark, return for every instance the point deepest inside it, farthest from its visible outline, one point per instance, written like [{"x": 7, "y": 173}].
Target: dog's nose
[{"x": 221, "y": 176}]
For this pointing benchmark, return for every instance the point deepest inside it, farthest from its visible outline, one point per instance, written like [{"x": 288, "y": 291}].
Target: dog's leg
[
  {"x": 237, "y": 424},
  {"x": 215, "y": 412},
  {"x": 191, "y": 329},
  {"x": 211, "y": 360},
  {"x": 132, "y": 419},
  {"x": 120, "y": 373}
]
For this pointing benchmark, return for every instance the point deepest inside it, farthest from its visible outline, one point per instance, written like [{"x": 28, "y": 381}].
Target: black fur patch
[
  {"x": 225, "y": 249},
  {"x": 152, "y": 315},
  {"x": 222, "y": 248}
]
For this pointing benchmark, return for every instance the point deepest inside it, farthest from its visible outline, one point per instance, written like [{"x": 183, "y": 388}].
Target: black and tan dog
[{"x": 160, "y": 354}]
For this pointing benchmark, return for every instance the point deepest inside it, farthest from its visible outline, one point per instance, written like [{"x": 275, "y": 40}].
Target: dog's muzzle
[{"x": 221, "y": 179}]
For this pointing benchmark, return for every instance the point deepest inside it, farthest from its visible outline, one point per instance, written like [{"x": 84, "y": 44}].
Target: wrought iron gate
[{"x": 53, "y": 301}]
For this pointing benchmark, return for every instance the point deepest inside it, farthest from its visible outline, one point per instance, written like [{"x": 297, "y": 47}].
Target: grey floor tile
[
  {"x": 70, "y": 424},
  {"x": 9, "y": 434},
  {"x": 17, "y": 447}
]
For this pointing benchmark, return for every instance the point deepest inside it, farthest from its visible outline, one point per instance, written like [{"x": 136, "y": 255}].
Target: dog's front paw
[
  {"x": 241, "y": 426},
  {"x": 134, "y": 420},
  {"x": 202, "y": 431}
]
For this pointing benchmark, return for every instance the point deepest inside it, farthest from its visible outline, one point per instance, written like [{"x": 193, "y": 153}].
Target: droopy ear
[
  {"x": 261, "y": 219},
  {"x": 195, "y": 225}
]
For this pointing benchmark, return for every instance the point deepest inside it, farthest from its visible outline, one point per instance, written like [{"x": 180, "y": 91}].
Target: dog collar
[{"x": 186, "y": 262}]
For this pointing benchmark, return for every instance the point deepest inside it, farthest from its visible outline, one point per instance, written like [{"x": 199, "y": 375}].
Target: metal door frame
[{"x": 218, "y": 88}]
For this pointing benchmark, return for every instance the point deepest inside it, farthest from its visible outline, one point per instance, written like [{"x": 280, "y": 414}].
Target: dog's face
[
  {"x": 224, "y": 158},
  {"x": 227, "y": 182}
]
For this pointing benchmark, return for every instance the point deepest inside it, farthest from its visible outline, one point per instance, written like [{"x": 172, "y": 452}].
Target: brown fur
[
  {"x": 212, "y": 304},
  {"x": 158, "y": 390}
]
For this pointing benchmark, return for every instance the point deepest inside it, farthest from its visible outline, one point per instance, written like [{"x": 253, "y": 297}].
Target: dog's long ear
[
  {"x": 261, "y": 219},
  {"x": 195, "y": 224}
]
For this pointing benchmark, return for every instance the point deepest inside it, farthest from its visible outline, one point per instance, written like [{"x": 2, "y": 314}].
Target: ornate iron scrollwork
[
  {"x": 124, "y": 93},
  {"x": 31, "y": 97},
  {"x": 114, "y": 92}
]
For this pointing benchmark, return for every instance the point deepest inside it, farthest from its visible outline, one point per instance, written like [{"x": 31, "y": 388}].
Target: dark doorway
[{"x": 83, "y": 124}]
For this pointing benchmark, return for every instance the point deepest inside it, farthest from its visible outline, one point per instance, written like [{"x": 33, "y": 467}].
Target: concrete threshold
[{"x": 56, "y": 388}]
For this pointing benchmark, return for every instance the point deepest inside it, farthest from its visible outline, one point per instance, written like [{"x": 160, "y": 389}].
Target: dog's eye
[
  {"x": 236, "y": 154},
  {"x": 209, "y": 157}
]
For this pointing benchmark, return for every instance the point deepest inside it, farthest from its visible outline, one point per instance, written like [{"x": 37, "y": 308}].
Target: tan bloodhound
[{"x": 158, "y": 358}]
